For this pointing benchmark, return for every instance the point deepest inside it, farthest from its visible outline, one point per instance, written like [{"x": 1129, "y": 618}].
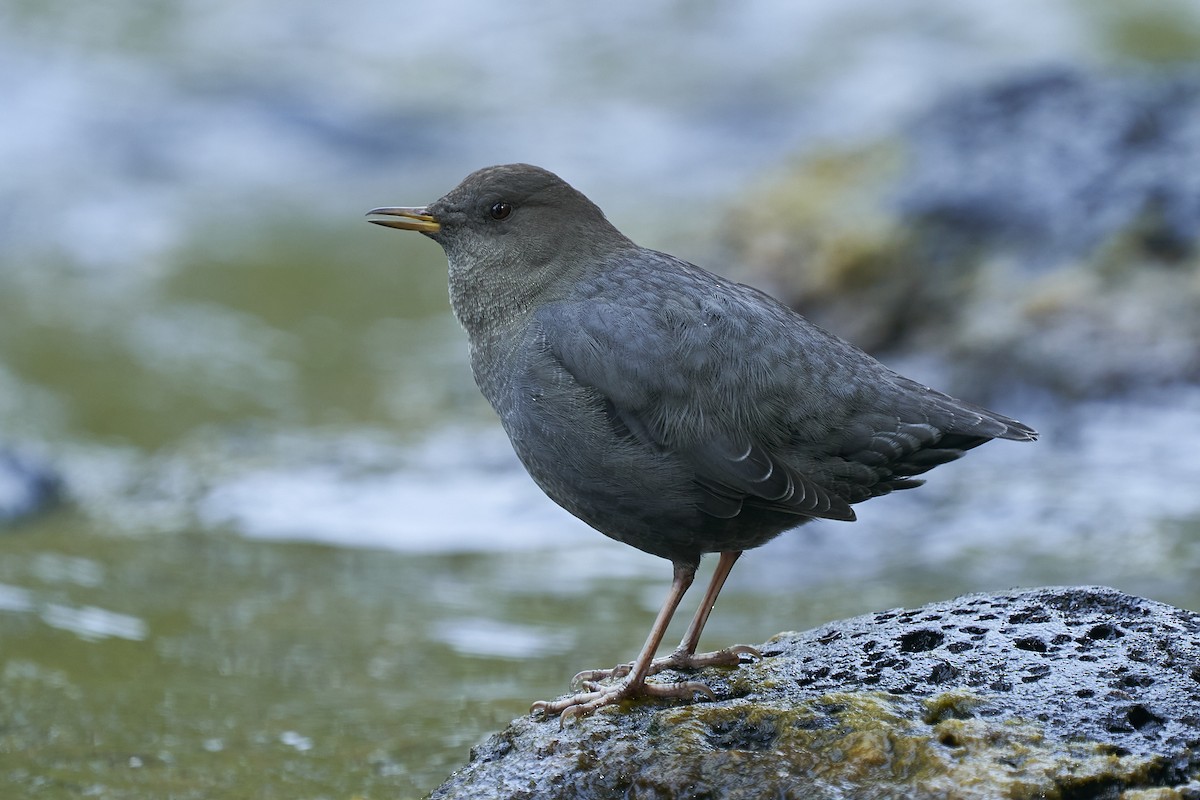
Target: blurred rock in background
[{"x": 1036, "y": 231}]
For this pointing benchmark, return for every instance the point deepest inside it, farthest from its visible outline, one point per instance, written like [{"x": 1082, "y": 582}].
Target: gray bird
[{"x": 667, "y": 407}]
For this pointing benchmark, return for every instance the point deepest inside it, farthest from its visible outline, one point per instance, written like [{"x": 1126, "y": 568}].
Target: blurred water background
[{"x": 265, "y": 538}]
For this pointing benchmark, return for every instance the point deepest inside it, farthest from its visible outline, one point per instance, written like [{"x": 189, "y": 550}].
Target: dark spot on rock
[
  {"x": 813, "y": 676},
  {"x": 1083, "y": 601},
  {"x": 975, "y": 630},
  {"x": 814, "y": 723},
  {"x": 1141, "y": 717},
  {"x": 948, "y": 739},
  {"x": 1118, "y": 725},
  {"x": 892, "y": 663},
  {"x": 1032, "y": 615},
  {"x": 1104, "y": 631},
  {"x": 832, "y": 709},
  {"x": 959, "y": 647},
  {"x": 832, "y": 636},
  {"x": 1035, "y": 674},
  {"x": 919, "y": 641},
  {"x": 1090, "y": 787},
  {"x": 988, "y": 616},
  {"x": 1062, "y": 638},
  {"x": 744, "y": 734},
  {"x": 1086, "y": 693},
  {"x": 1000, "y": 685},
  {"x": 1031, "y": 643},
  {"x": 500, "y": 748},
  {"x": 1195, "y": 673},
  {"x": 1137, "y": 680},
  {"x": 942, "y": 672}
]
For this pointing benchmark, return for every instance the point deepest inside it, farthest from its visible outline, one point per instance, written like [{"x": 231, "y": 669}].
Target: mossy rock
[{"x": 1046, "y": 693}]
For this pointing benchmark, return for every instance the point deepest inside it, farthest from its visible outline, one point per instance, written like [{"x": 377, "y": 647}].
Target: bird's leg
[
  {"x": 634, "y": 683},
  {"x": 685, "y": 657}
]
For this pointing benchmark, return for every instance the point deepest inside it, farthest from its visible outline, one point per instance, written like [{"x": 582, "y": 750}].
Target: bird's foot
[
  {"x": 679, "y": 660},
  {"x": 726, "y": 657},
  {"x": 597, "y": 696}
]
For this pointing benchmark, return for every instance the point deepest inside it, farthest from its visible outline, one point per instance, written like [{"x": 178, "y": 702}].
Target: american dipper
[{"x": 667, "y": 407}]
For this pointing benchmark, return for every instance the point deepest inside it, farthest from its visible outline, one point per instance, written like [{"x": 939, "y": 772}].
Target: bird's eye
[{"x": 501, "y": 210}]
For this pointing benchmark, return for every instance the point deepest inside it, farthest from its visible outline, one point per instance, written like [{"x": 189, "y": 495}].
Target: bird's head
[{"x": 514, "y": 235}]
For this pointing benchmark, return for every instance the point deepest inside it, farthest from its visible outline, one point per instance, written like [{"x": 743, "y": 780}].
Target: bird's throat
[{"x": 487, "y": 302}]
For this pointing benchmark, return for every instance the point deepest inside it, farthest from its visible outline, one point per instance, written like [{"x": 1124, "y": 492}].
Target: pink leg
[
  {"x": 685, "y": 657},
  {"x": 634, "y": 684},
  {"x": 691, "y": 639}
]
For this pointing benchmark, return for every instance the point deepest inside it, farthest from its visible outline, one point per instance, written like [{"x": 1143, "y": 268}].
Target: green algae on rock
[{"x": 1048, "y": 693}]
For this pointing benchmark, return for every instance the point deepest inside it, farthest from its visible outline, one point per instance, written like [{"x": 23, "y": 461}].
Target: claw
[
  {"x": 571, "y": 713},
  {"x": 555, "y": 706},
  {"x": 597, "y": 696},
  {"x": 684, "y": 689},
  {"x": 740, "y": 650},
  {"x": 727, "y": 657},
  {"x": 619, "y": 671}
]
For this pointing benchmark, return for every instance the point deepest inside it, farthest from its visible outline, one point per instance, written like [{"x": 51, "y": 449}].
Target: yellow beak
[{"x": 411, "y": 219}]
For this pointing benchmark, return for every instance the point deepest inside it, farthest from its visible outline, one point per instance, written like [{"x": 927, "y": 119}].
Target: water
[{"x": 297, "y": 557}]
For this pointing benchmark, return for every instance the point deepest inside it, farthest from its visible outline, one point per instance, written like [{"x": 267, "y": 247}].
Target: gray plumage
[{"x": 667, "y": 407}]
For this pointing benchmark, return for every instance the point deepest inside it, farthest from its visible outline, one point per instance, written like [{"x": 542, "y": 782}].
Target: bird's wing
[
  {"x": 695, "y": 377},
  {"x": 732, "y": 472}
]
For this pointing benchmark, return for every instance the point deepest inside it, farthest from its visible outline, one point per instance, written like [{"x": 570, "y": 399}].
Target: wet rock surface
[
  {"x": 27, "y": 487},
  {"x": 1055, "y": 693},
  {"x": 1041, "y": 230}
]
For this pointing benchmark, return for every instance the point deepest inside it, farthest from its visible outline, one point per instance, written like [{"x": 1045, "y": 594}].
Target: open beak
[{"x": 411, "y": 219}]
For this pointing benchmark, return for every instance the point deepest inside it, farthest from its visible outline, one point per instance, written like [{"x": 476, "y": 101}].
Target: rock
[
  {"x": 1042, "y": 229},
  {"x": 1047, "y": 693},
  {"x": 27, "y": 487},
  {"x": 1056, "y": 162}
]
